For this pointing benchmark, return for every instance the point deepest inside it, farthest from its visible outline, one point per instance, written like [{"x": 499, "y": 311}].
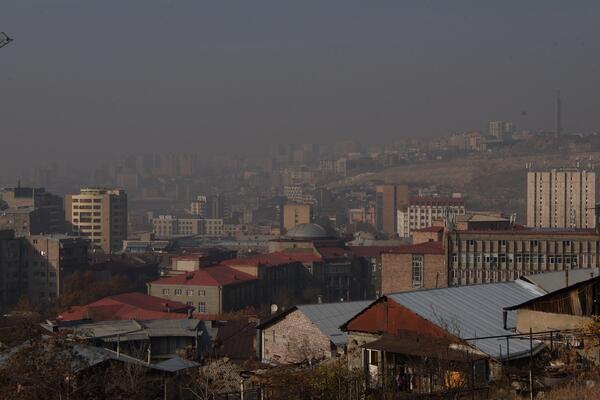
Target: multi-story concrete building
[
  {"x": 211, "y": 290},
  {"x": 50, "y": 259},
  {"x": 501, "y": 129},
  {"x": 388, "y": 200},
  {"x": 100, "y": 215},
  {"x": 11, "y": 267},
  {"x": 465, "y": 257},
  {"x": 198, "y": 206},
  {"x": 561, "y": 199},
  {"x": 47, "y": 215},
  {"x": 35, "y": 266},
  {"x": 169, "y": 226},
  {"x": 505, "y": 255},
  {"x": 422, "y": 211},
  {"x": 294, "y": 214}
]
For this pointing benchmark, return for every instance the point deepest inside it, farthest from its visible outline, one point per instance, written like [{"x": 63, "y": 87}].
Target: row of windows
[
  {"x": 178, "y": 292},
  {"x": 521, "y": 257}
]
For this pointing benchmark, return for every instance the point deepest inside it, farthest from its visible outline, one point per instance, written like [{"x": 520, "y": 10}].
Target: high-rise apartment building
[
  {"x": 501, "y": 129},
  {"x": 561, "y": 198},
  {"x": 198, "y": 206},
  {"x": 422, "y": 211},
  {"x": 100, "y": 215},
  {"x": 388, "y": 199}
]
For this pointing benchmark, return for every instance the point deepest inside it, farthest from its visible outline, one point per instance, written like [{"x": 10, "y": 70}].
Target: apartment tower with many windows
[
  {"x": 100, "y": 215},
  {"x": 561, "y": 199}
]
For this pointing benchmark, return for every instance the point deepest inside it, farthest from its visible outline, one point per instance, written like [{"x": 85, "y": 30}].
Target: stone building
[
  {"x": 211, "y": 290},
  {"x": 306, "y": 332}
]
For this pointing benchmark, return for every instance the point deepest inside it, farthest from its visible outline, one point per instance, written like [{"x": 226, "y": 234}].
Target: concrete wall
[
  {"x": 294, "y": 339},
  {"x": 542, "y": 321},
  {"x": 209, "y": 295}
]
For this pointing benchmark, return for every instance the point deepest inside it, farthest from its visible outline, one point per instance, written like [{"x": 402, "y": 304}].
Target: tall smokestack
[{"x": 558, "y": 114}]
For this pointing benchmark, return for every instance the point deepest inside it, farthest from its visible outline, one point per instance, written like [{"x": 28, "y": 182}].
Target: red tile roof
[
  {"x": 371, "y": 251},
  {"x": 218, "y": 275},
  {"x": 431, "y": 229},
  {"x": 127, "y": 306},
  {"x": 421, "y": 248},
  {"x": 276, "y": 258}
]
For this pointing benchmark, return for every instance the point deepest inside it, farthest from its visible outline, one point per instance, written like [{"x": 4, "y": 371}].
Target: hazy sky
[{"x": 188, "y": 75}]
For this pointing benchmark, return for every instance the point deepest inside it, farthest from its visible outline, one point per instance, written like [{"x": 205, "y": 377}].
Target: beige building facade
[
  {"x": 100, "y": 215},
  {"x": 295, "y": 214},
  {"x": 561, "y": 199}
]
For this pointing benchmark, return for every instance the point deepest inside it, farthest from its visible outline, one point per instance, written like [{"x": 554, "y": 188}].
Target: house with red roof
[
  {"x": 128, "y": 306},
  {"x": 211, "y": 290}
]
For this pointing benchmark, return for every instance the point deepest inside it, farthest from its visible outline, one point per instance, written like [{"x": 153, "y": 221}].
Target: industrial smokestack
[{"x": 558, "y": 121}]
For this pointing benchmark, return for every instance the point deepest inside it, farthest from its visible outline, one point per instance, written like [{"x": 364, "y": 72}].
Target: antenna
[{"x": 4, "y": 39}]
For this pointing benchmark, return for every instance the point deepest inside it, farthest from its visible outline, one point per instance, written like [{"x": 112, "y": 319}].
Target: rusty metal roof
[{"x": 474, "y": 311}]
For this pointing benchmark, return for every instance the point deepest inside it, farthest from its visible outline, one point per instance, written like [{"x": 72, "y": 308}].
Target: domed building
[
  {"x": 340, "y": 275},
  {"x": 308, "y": 231}
]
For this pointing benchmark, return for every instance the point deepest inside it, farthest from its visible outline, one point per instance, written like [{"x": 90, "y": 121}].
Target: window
[
  {"x": 417, "y": 271},
  {"x": 190, "y": 292},
  {"x": 201, "y": 292},
  {"x": 177, "y": 292},
  {"x": 373, "y": 357},
  {"x": 165, "y": 291},
  {"x": 202, "y": 308}
]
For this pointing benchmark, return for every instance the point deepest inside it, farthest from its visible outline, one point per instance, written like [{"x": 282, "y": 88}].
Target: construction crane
[{"x": 4, "y": 39}]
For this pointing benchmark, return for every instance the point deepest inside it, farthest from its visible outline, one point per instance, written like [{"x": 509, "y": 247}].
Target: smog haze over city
[
  {"x": 147, "y": 76},
  {"x": 299, "y": 200}
]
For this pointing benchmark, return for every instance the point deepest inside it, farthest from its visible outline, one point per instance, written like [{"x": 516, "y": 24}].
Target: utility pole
[{"x": 4, "y": 39}]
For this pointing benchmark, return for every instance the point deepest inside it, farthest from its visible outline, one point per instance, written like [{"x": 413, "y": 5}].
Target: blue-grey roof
[
  {"x": 307, "y": 231},
  {"x": 328, "y": 317},
  {"x": 553, "y": 281},
  {"x": 474, "y": 311}
]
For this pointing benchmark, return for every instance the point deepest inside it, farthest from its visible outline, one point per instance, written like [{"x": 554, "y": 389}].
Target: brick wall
[
  {"x": 294, "y": 339},
  {"x": 396, "y": 272}
]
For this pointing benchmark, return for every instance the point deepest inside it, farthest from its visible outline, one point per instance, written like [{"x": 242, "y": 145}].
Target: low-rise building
[
  {"x": 211, "y": 290},
  {"x": 306, "y": 332},
  {"x": 127, "y": 306}
]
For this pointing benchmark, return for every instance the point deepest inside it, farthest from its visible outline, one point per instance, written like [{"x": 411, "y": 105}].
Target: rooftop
[
  {"x": 474, "y": 311},
  {"x": 420, "y": 248},
  {"x": 127, "y": 306},
  {"x": 307, "y": 231},
  {"x": 218, "y": 275},
  {"x": 552, "y": 281},
  {"x": 328, "y": 317}
]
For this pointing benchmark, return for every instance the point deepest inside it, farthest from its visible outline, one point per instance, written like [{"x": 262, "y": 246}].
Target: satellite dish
[{"x": 274, "y": 308}]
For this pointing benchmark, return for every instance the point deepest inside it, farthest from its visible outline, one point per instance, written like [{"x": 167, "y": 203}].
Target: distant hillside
[{"x": 493, "y": 181}]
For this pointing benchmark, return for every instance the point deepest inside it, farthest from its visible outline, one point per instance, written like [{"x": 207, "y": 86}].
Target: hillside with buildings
[{"x": 495, "y": 180}]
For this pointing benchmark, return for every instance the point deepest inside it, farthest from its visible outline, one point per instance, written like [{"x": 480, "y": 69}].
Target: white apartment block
[
  {"x": 561, "y": 199},
  {"x": 422, "y": 211}
]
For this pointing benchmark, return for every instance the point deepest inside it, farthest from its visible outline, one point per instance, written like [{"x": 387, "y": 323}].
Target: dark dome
[{"x": 307, "y": 231}]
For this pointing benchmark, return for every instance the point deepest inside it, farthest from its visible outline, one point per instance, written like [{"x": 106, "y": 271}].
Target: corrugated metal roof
[
  {"x": 328, "y": 317},
  {"x": 474, "y": 311},
  {"x": 552, "y": 281},
  {"x": 138, "y": 330}
]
